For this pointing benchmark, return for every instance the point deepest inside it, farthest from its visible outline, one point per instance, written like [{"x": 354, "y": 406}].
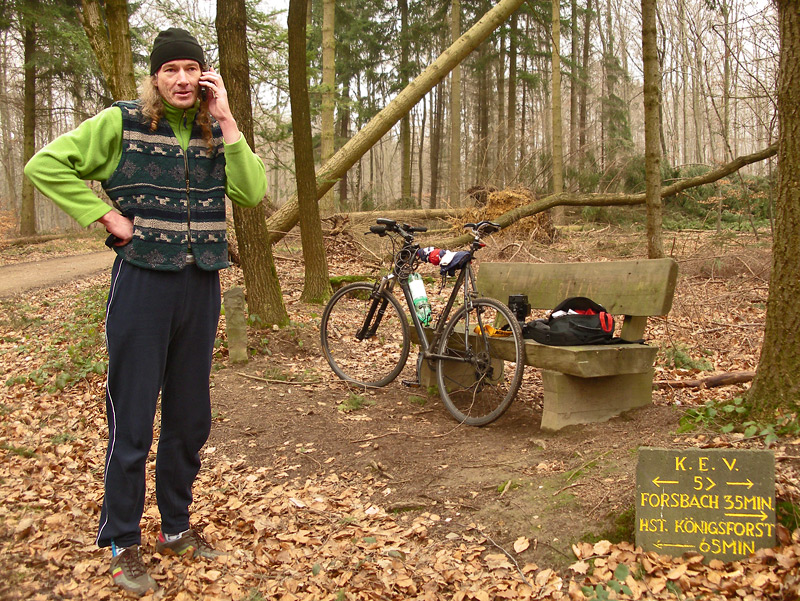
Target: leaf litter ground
[{"x": 314, "y": 499}]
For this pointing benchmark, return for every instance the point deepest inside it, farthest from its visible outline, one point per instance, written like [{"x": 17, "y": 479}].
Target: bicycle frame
[
  {"x": 476, "y": 375},
  {"x": 404, "y": 259}
]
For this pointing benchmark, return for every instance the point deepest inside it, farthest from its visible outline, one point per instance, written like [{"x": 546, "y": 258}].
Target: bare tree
[
  {"x": 317, "y": 287},
  {"x": 775, "y": 392},
  {"x": 558, "y": 138},
  {"x": 328, "y": 94},
  {"x": 264, "y": 297},
  {"x": 106, "y": 26},
  {"x": 454, "y": 190},
  {"x": 27, "y": 216},
  {"x": 652, "y": 132}
]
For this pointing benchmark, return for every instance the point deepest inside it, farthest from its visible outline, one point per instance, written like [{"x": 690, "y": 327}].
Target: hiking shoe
[
  {"x": 129, "y": 572},
  {"x": 190, "y": 544}
]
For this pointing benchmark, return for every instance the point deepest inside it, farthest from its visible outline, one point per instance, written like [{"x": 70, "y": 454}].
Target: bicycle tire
[
  {"x": 375, "y": 360},
  {"x": 478, "y": 391}
]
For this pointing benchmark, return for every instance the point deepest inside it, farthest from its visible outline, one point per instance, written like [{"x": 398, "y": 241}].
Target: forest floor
[{"x": 316, "y": 499}]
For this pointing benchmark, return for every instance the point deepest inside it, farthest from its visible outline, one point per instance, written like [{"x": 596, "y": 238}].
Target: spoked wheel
[
  {"x": 365, "y": 342},
  {"x": 482, "y": 379}
]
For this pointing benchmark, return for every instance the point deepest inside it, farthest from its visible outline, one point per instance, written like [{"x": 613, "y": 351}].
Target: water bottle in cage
[{"x": 420, "y": 298}]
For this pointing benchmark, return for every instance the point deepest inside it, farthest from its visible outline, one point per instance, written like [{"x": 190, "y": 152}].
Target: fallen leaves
[{"x": 317, "y": 538}]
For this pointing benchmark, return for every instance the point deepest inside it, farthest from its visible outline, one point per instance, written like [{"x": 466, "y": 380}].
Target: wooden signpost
[{"x": 718, "y": 502}]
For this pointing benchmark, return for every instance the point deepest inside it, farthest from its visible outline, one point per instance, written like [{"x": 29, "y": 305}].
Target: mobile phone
[{"x": 203, "y": 89}]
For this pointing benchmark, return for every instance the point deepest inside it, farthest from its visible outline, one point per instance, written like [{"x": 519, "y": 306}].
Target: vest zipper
[{"x": 188, "y": 197}]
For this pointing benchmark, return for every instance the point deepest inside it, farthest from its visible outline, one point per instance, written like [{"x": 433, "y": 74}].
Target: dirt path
[{"x": 21, "y": 277}]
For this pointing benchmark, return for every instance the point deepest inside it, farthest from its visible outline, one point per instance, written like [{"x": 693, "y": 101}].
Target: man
[{"x": 167, "y": 167}]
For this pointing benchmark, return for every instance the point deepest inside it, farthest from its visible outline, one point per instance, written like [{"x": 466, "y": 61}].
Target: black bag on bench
[{"x": 575, "y": 321}]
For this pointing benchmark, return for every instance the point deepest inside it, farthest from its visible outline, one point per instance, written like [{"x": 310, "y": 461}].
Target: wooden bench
[{"x": 584, "y": 384}]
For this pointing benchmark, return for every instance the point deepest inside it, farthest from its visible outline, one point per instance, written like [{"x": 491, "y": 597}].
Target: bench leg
[
  {"x": 460, "y": 374},
  {"x": 569, "y": 400}
]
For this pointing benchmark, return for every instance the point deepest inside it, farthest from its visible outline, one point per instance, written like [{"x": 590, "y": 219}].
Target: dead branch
[
  {"x": 738, "y": 377},
  {"x": 607, "y": 200},
  {"x": 25, "y": 241}
]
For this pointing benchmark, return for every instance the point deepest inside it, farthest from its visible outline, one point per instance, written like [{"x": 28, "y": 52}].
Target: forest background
[
  {"x": 556, "y": 105},
  {"x": 698, "y": 98}
]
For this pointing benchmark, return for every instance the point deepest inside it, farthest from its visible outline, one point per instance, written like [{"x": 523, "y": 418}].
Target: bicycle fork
[{"x": 370, "y": 327}]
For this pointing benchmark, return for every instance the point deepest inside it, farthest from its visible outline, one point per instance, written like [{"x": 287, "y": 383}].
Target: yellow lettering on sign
[
  {"x": 690, "y": 525},
  {"x": 679, "y": 500},
  {"x": 679, "y": 464},
  {"x": 719, "y": 547},
  {"x": 653, "y": 525},
  {"x": 742, "y": 503}
]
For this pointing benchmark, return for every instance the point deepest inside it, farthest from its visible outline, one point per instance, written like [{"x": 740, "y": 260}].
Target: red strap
[{"x": 606, "y": 322}]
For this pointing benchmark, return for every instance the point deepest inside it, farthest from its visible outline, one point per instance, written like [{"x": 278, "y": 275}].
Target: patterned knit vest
[{"x": 175, "y": 198}]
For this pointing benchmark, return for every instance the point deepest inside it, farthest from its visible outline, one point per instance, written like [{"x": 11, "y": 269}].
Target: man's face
[{"x": 177, "y": 82}]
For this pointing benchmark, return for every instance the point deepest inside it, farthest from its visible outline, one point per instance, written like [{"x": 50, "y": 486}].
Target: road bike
[{"x": 475, "y": 350}]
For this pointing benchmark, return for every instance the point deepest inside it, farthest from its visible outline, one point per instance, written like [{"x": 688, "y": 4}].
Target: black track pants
[{"x": 160, "y": 330}]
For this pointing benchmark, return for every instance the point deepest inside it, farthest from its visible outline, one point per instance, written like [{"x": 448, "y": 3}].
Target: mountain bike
[{"x": 475, "y": 350}]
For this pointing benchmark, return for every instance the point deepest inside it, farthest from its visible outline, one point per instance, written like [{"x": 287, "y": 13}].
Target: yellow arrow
[
  {"x": 748, "y": 484},
  {"x": 660, "y": 545},
  {"x": 713, "y": 484},
  {"x": 658, "y": 482},
  {"x": 761, "y": 515}
]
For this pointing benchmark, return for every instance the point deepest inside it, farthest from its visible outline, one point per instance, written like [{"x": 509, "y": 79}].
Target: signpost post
[{"x": 718, "y": 502}]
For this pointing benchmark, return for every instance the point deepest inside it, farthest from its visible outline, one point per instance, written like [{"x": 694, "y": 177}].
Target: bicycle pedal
[{"x": 411, "y": 383}]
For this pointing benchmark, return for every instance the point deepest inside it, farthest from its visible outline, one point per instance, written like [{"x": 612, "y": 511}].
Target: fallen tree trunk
[
  {"x": 737, "y": 377},
  {"x": 26, "y": 240},
  {"x": 407, "y": 215},
  {"x": 285, "y": 218}
]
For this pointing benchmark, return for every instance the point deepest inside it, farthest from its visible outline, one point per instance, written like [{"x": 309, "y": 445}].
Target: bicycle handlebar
[
  {"x": 387, "y": 226},
  {"x": 487, "y": 227}
]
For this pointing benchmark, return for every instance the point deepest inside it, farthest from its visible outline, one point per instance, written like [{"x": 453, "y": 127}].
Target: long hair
[{"x": 153, "y": 109}]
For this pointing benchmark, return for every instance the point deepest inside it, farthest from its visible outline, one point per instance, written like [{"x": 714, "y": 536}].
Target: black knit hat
[{"x": 174, "y": 44}]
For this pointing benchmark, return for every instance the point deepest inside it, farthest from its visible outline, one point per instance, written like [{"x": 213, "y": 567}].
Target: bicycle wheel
[
  {"x": 364, "y": 341},
  {"x": 478, "y": 384}
]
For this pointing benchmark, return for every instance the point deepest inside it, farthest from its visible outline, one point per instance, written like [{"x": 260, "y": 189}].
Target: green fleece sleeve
[
  {"x": 89, "y": 152},
  {"x": 246, "y": 177}
]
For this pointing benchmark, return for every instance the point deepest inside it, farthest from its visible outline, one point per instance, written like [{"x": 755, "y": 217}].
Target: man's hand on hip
[{"x": 118, "y": 226}]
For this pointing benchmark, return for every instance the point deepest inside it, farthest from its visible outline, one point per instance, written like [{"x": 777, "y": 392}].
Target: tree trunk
[
  {"x": 344, "y": 134},
  {"x": 264, "y": 298},
  {"x": 109, "y": 36},
  {"x": 421, "y": 153},
  {"x": 436, "y": 144},
  {"x": 684, "y": 62},
  {"x": 573, "y": 86},
  {"x": 27, "y": 213},
  {"x": 317, "y": 288},
  {"x": 558, "y": 139},
  {"x": 511, "y": 128},
  {"x": 500, "y": 135},
  {"x": 482, "y": 144},
  {"x": 454, "y": 189},
  {"x": 405, "y": 122},
  {"x": 697, "y": 87},
  {"x": 652, "y": 141},
  {"x": 775, "y": 392},
  {"x": 582, "y": 101},
  {"x": 287, "y": 216},
  {"x": 326, "y": 204}
]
